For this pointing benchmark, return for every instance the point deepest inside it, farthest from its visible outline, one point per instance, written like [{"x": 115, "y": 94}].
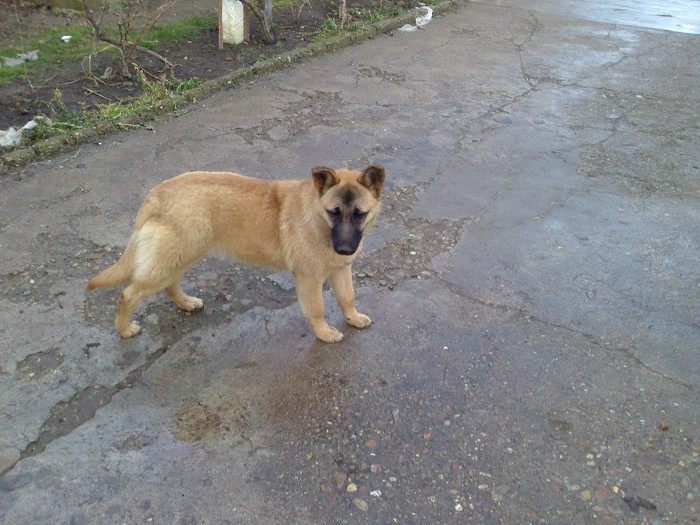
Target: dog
[{"x": 313, "y": 228}]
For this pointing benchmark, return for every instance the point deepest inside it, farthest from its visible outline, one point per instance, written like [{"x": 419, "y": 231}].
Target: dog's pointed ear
[
  {"x": 373, "y": 179},
  {"x": 324, "y": 179}
]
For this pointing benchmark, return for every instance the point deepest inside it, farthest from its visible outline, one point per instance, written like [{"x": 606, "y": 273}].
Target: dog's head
[{"x": 350, "y": 203}]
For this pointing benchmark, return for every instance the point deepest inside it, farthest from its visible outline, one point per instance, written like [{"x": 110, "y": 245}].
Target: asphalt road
[{"x": 534, "y": 284}]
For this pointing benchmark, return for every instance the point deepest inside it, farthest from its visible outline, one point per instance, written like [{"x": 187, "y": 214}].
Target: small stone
[
  {"x": 375, "y": 469},
  {"x": 351, "y": 487},
  {"x": 361, "y": 504},
  {"x": 602, "y": 493},
  {"x": 371, "y": 443},
  {"x": 586, "y": 495},
  {"x": 339, "y": 478},
  {"x": 459, "y": 508}
]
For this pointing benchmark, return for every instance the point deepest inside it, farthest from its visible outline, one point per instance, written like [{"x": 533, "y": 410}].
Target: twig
[
  {"x": 96, "y": 94},
  {"x": 100, "y": 34},
  {"x": 146, "y": 72}
]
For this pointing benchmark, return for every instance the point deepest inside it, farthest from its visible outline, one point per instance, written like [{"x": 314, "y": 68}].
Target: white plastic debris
[
  {"x": 12, "y": 136},
  {"x": 20, "y": 59},
  {"x": 421, "y": 21},
  {"x": 232, "y": 21},
  {"x": 66, "y": 38}
]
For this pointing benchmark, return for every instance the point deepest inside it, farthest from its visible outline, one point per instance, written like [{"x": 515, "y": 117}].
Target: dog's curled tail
[{"x": 117, "y": 274}]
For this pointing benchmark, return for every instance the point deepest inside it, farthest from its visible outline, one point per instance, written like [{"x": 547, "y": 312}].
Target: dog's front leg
[
  {"x": 345, "y": 295},
  {"x": 310, "y": 292}
]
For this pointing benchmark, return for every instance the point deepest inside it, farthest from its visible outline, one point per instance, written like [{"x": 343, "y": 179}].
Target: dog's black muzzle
[{"x": 346, "y": 238}]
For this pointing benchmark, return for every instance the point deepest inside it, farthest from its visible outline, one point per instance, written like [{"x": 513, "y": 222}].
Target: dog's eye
[
  {"x": 334, "y": 212},
  {"x": 359, "y": 214}
]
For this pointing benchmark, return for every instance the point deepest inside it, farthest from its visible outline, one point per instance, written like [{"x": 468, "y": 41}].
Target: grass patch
[
  {"x": 117, "y": 113},
  {"x": 190, "y": 28},
  {"x": 153, "y": 94},
  {"x": 53, "y": 51},
  {"x": 357, "y": 18}
]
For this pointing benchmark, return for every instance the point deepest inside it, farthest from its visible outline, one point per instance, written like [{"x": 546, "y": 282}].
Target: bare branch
[{"x": 124, "y": 44}]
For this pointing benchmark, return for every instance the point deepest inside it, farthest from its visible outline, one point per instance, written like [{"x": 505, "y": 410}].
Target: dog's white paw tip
[
  {"x": 134, "y": 329},
  {"x": 359, "y": 321},
  {"x": 330, "y": 335}
]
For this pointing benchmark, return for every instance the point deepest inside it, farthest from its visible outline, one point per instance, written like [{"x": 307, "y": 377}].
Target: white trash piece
[
  {"x": 232, "y": 21},
  {"x": 12, "y": 136},
  {"x": 421, "y": 21},
  {"x": 21, "y": 58}
]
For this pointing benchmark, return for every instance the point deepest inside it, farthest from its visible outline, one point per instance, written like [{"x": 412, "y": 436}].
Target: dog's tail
[{"x": 118, "y": 274}]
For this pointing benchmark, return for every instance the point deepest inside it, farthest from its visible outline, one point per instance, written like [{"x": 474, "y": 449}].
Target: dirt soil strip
[{"x": 59, "y": 143}]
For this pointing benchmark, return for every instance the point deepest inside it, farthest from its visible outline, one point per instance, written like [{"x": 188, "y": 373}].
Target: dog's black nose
[{"x": 345, "y": 249}]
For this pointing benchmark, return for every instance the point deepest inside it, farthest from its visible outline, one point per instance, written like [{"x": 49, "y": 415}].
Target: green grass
[
  {"x": 153, "y": 93},
  {"x": 358, "y": 18},
  {"x": 53, "y": 51},
  {"x": 187, "y": 29}
]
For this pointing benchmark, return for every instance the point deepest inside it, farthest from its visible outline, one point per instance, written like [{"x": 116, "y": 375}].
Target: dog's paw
[
  {"x": 190, "y": 304},
  {"x": 359, "y": 321},
  {"x": 131, "y": 330},
  {"x": 328, "y": 334}
]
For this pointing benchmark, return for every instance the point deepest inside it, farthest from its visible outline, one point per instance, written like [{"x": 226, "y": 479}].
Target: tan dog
[{"x": 312, "y": 228}]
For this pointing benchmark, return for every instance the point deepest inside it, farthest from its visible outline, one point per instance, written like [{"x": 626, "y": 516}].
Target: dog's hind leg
[
  {"x": 130, "y": 298},
  {"x": 160, "y": 262},
  {"x": 181, "y": 299}
]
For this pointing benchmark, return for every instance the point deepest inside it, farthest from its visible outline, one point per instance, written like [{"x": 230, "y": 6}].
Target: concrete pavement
[{"x": 534, "y": 285}]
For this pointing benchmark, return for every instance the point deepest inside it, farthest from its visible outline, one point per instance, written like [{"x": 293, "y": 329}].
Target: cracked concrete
[{"x": 533, "y": 282}]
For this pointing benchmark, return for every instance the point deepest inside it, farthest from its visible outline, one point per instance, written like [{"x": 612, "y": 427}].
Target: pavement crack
[
  {"x": 69, "y": 414},
  {"x": 527, "y": 316}
]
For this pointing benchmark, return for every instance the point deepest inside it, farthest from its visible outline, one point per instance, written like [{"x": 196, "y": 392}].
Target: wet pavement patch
[{"x": 197, "y": 422}]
